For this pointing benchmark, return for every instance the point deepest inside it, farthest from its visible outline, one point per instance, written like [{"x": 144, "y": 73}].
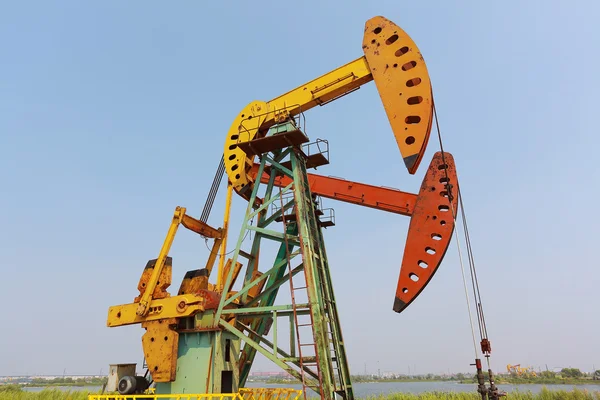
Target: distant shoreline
[
  {"x": 59, "y": 384},
  {"x": 500, "y": 381}
]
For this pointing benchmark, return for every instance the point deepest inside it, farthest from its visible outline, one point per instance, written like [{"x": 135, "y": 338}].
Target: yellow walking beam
[{"x": 391, "y": 58}]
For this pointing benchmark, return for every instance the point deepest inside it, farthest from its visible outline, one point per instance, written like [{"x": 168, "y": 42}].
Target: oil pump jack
[{"x": 203, "y": 340}]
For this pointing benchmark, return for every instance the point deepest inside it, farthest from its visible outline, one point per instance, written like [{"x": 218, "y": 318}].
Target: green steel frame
[{"x": 320, "y": 364}]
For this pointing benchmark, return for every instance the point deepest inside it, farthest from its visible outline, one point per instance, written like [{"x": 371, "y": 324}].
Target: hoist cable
[
  {"x": 474, "y": 283},
  {"x": 472, "y": 261},
  {"x": 473, "y": 272},
  {"x": 212, "y": 194},
  {"x": 462, "y": 267}
]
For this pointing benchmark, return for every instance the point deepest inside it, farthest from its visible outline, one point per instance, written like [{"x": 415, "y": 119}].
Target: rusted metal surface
[
  {"x": 210, "y": 299},
  {"x": 430, "y": 230},
  {"x": 273, "y": 142},
  {"x": 236, "y": 272},
  {"x": 160, "y": 343},
  {"x": 164, "y": 279},
  {"x": 193, "y": 281},
  {"x": 403, "y": 84},
  {"x": 486, "y": 346},
  {"x": 378, "y": 197},
  {"x": 170, "y": 307},
  {"x": 200, "y": 227}
]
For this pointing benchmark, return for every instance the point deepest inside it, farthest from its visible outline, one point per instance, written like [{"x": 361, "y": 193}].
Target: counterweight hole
[
  {"x": 409, "y": 65},
  {"x": 413, "y": 277},
  {"x": 377, "y": 30},
  {"x": 409, "y": 140},
  {"x": 414, "y": 100},
  {"x": 412, "y": 119},
  {"x": 413, "y": 82},
  {"x": 391, "y": 39},
  {"x": 401, "y": 51}
]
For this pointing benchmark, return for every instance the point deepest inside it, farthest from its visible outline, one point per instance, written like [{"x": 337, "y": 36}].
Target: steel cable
[
  {"x": 212, "y": 194},
  {"x": 454, "y": 216}
]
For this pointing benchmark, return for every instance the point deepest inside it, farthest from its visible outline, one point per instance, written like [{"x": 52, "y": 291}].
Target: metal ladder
[
  {"x": 301, "y": 321},
  {"x": 334, "y": 376}
]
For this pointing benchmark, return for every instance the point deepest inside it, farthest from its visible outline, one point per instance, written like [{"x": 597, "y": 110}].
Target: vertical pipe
[
  {"x": 274, "y": 332},
  {"x": 481, "y": 388},
  {"x": 292, "y": 337},
  {"x": 224, "y": 242}
]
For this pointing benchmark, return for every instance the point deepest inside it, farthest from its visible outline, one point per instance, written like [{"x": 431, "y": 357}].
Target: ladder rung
[
  {"x": 298, "y": 288},
  {"x": 306, "y": 344},
  {"x": 304, "y": 324}
]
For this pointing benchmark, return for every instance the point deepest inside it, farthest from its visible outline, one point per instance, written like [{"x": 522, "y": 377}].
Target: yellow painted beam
[
  {"x": 258, "y": 116},
  {"x": 170, "y": 307}
]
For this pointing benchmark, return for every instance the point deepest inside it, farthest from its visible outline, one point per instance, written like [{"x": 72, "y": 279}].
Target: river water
[{"x": 382, "y": 388}]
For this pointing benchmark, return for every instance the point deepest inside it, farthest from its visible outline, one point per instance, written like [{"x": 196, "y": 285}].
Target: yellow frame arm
[{"x": 391, "y": 59}]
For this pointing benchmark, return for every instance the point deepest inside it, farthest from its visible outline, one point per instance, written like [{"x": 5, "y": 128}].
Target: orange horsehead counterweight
[{"x": 393, "y": 61}]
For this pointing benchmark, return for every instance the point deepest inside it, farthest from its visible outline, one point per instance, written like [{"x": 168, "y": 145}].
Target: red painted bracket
[
  {"x": 362, "y": 194},
  {"x": 431, "y": 225}
]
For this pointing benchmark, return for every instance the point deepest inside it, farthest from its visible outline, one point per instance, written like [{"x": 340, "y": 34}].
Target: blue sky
[{"x": 114, "y": 113}]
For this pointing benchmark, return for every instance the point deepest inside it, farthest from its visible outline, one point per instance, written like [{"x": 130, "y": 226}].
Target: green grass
[{"x": 15, "y": 393}]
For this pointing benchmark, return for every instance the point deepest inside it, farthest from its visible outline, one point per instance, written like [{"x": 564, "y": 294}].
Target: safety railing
[
  {"x": 242, "y": 394},
  {"x": 328, "y": 217},
  {"x": 318, "y": 147}
]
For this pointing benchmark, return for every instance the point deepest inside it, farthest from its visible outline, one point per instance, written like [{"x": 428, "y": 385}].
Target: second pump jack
[{"x": 205, "y": 338}]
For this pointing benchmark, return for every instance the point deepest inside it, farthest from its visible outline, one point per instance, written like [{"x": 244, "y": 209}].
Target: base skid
[{"x": 430, "y": 230}]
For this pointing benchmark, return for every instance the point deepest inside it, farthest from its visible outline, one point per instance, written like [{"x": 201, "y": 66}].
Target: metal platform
[
  {"x": 312, "y": 161},
  {"x": 274, "y": 142},
  {"x": 326, "y": 217},
  {"x": 288, "y": 218},
  {"x": 316, "y": 153}
]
